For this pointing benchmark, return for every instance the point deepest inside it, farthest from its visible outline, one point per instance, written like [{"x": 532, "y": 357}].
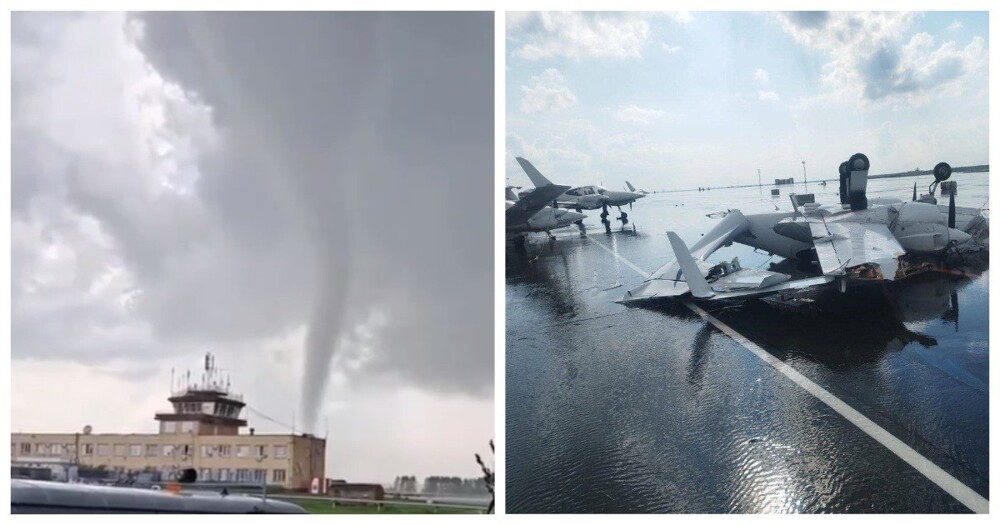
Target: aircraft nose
[{"x": 958, "y": 236}]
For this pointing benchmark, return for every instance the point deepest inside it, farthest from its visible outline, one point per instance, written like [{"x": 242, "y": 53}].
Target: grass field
[{"x": 324, "y": 507}]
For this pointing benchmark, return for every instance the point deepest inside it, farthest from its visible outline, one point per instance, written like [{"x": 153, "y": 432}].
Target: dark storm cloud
[{"x": 351, "y": 174}]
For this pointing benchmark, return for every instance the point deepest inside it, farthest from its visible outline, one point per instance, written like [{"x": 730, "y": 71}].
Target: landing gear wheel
[
  {"x": 858, "y": 162},
  {"x": 942, "y": 171}
]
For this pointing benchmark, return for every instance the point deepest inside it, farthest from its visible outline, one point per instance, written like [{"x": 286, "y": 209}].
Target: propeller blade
[
  {"x": 914, "y": 191},
  {"x": 951, "y": 209}
]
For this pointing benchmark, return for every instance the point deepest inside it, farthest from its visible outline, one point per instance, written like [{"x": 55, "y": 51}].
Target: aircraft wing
[
  {"x": 533, "y": 202},
  {"x": 841, "y": 245},
  {"x": 741, "y": 283}
]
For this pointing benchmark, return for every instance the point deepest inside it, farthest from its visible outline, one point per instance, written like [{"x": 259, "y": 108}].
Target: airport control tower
[{"x": 204, "y": 408}]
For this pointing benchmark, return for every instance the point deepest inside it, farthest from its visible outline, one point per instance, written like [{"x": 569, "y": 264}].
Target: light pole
[{"x": 804, "y": 178}]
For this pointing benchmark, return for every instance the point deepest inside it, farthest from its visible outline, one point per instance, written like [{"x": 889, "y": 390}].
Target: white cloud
[
  {"x": 870, "y": 60},
  {"x": 761, "y": 77},
  {"x": 681, "y": 17},
  {"x": 768, "y": 96},
  {"x": 669, "y": 49},
  {"x": 579, "y": 35},
  {"x": 635, "y": 114},
  {"x": 547, "y": 92},
  {"x": 955, "y": 26}
]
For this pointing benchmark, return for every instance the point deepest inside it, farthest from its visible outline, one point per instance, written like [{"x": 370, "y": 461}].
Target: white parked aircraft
[
  {"x": 585, "y": 197},
  {"x": 633, "y": 190},
  {"x": 532, "y": 213},
  {"x": 857, "y": 241}
]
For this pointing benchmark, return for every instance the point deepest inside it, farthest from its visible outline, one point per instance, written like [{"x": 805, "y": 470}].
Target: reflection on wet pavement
[{"x": 615, "y": 409}]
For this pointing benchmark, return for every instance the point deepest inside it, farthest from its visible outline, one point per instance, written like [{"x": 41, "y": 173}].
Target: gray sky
[{"x": 253, "y": 185}]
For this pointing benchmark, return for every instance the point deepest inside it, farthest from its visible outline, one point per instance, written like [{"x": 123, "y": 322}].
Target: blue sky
[{"x": 678, "y": 100}]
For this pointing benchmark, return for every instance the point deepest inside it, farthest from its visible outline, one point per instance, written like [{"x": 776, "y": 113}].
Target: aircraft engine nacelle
[
  {"x": 544, "y": 219},
  {"x": 920, "y": 228},
  {"x": 922, "y": 237},
  {"x": 910, "y": 212},
  {"x": 592, "y": 201}
]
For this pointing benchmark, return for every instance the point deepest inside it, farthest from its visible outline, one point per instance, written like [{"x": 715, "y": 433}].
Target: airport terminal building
[{"x": 203, "y": 431}]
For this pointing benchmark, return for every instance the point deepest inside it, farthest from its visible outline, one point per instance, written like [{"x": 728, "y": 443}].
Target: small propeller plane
[
  {"x": 532, "y": 213},
  {"x": 584, "y": 197},
  {"x": 854, "y": 242},
  {"x": 633, "y": 190}
]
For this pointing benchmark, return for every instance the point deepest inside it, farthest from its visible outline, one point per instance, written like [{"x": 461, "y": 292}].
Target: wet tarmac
[{"x": 654, "y": 409}]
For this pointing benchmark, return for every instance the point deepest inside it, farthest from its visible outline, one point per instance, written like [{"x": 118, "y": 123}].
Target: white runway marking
[{"x": 936, "y": 474}]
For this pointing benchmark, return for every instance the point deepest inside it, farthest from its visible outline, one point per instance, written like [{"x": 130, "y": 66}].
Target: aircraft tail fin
[
  {"x": 630, "y": 186},
  {"x": 511, "y": 196},
  {"x": 695, "y": 280},
  {"x": 536, "y": 176}
]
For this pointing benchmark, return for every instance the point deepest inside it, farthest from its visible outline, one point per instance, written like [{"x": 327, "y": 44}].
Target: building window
[
  {"x": 119, "y": 450},
  {"x": 242, "y": 451},
  {"x": 223, "y": 474},
  {"x": 205, "y": 475},
  {"x": 103, "y": 450},
  {"x": 259, "y": 475},
  {"x": 280, "y": 451},
  {"x": 57, "y": 449},
  {"x": 278, "y": 475},
  {"x": 42, "y": 449},
  {"x": 71, "y": 449},
  {"x": 225, "y": 451},
  {"x": 187, "y": 426},
  {"x": 168, "y": 450},
  {"x": 242, "y": 474},
  {"x": 88, "y": 449},
  {"x": 258, "y": 451},
  {"x": 135, "y": 450},
  {"x": 169, "y": 427},
  {"x": 26, "y": 448},
  {"x": 206, "y": 451},
  {"x": 151, "y": 450}
]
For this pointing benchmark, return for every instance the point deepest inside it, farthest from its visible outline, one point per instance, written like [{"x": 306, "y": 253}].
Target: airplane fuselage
[
  {"x": 546, "y": 219},
  {"x": 596, "y": 197}
]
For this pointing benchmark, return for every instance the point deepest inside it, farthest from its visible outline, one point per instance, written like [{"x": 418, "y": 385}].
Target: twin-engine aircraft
[
  {"x": 532, "y": 213},
  {"x": 584, "y": 197},
  {"x": 856, "y": 241}
]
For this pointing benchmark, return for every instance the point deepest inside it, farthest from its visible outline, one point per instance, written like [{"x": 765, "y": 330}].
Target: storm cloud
[{"x": 190, "y": 181}]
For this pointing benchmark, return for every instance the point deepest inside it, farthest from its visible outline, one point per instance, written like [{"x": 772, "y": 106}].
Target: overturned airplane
[{"x": 858, "y": 241}]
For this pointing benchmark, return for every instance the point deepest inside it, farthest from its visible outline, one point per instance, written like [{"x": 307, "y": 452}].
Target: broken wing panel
[{"x": 841, "y": 245}]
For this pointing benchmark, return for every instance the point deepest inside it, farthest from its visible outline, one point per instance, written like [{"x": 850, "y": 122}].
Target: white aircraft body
[
  {"x": 856, "y": 241},
  {"x": 584, "y": 197},
  {"x": 531, "y": 213},
  {"x": 633, "y": 190}
]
